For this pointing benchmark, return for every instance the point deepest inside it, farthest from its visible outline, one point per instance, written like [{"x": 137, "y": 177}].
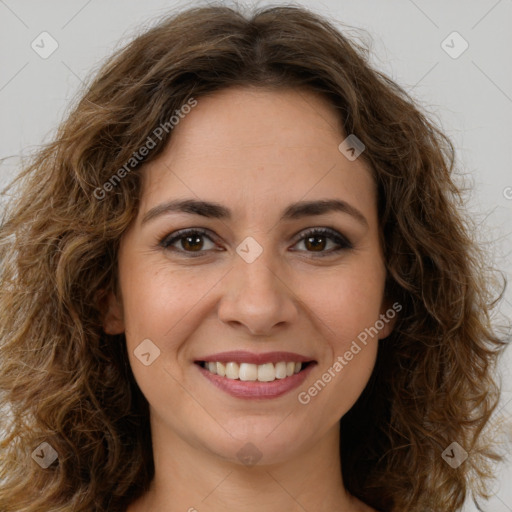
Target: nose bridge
[
  {"x": 260, "y": 276},
  {"x": 255, "y": 294}
]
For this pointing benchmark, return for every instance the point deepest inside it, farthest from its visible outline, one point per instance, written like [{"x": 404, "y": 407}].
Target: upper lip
[{"x": 242, "y": 356}]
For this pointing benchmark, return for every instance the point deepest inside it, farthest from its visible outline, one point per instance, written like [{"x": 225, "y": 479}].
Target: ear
[
  {"x": 388, "y": 314},
  {"x": 111, "y": 312}
]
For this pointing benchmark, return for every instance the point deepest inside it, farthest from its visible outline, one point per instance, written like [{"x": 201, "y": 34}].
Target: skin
[{"x": 254, "y": 151}]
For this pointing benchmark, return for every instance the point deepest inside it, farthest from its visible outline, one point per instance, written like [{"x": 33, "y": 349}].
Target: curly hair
[{"x": 66, "y": 382}]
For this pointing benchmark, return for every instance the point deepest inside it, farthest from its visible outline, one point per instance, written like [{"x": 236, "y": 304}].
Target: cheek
[
  {"x": 149, "y": 301},
  {"x": 345, "y": 302},
  {"x": 346, "y": 314},
  {"x": 157, "y": 304},
  {"x": 160, "y": 303},
  {"x": 345, "y": 306}
]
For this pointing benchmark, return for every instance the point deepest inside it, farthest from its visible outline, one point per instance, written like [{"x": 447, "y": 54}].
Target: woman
[{"x": 239, "y": 279}]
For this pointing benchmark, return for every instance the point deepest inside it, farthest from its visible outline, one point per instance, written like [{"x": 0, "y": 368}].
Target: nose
[{"x": 257, "y": 298}]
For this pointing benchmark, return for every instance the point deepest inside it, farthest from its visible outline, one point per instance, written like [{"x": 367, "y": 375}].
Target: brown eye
[
  {"x": 322, "y": 241},
  {"x": 317, "y": 240},
  {"x": 315, "y": 243},
  {"x": 187, "y": 241},
  {"x": 192, "y": 242}
]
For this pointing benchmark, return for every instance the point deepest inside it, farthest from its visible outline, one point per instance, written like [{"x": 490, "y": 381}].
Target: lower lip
[{"x": 256, "y": 389}]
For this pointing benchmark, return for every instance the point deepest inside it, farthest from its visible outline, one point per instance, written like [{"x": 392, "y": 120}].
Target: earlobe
[
  {"x": 388, "y": 318},
  {"x": 112, "y": 313}
]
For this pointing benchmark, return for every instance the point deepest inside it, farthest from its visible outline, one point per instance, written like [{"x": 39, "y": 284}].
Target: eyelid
[
  {"x": 323, "y": 230},
  {"x": 182, "y": 233},
  {"x": 342, "y": 241}
]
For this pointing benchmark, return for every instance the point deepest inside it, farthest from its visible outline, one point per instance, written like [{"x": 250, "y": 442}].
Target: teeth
[
  {"x": 248, "y": 372},
  {"x": 267, "y": 372},
  {"x": 232, "y": 370},
  {"x": 280, "y": 370},
  {"x": 221, "y": 369}
]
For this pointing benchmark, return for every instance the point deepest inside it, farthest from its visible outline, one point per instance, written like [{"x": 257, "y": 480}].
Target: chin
[{"x": 260, "y": 440}]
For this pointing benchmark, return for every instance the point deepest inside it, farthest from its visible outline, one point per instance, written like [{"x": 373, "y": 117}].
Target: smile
[
  {"x": 267, "y": 372},
  {"x": 255, "y": 376}
]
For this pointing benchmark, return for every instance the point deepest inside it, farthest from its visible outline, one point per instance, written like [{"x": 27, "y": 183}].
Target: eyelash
[{"x": 340, "y": 240}]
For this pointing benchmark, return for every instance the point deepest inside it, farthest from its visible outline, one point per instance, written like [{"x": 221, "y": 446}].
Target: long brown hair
[{"x": 65, "y": 382}]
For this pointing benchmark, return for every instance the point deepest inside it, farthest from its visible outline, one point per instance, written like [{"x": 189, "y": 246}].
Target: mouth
[
  {"x": 256, "y": 376},
  {"x": 249, "y": 372}
]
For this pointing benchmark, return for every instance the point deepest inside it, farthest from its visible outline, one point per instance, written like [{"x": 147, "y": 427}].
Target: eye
[
  {"x": 190, "y": 241},
  {"x": 317, "y": 239}
]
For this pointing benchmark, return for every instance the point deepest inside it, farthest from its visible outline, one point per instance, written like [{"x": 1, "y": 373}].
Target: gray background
[{"x": 470, "y": 96}]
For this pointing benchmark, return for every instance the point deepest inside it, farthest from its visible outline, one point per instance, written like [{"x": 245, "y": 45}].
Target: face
[{"x": 264, "y": 270}]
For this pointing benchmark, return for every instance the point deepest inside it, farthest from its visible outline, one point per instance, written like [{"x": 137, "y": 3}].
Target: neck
[{"x": 190, "y": 478}]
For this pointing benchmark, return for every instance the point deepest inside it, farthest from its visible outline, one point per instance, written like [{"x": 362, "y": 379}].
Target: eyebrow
[{"x": 217, "y": 211}]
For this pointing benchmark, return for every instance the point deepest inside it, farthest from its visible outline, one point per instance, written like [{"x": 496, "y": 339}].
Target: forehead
[{"x": 257, "y": 146}]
